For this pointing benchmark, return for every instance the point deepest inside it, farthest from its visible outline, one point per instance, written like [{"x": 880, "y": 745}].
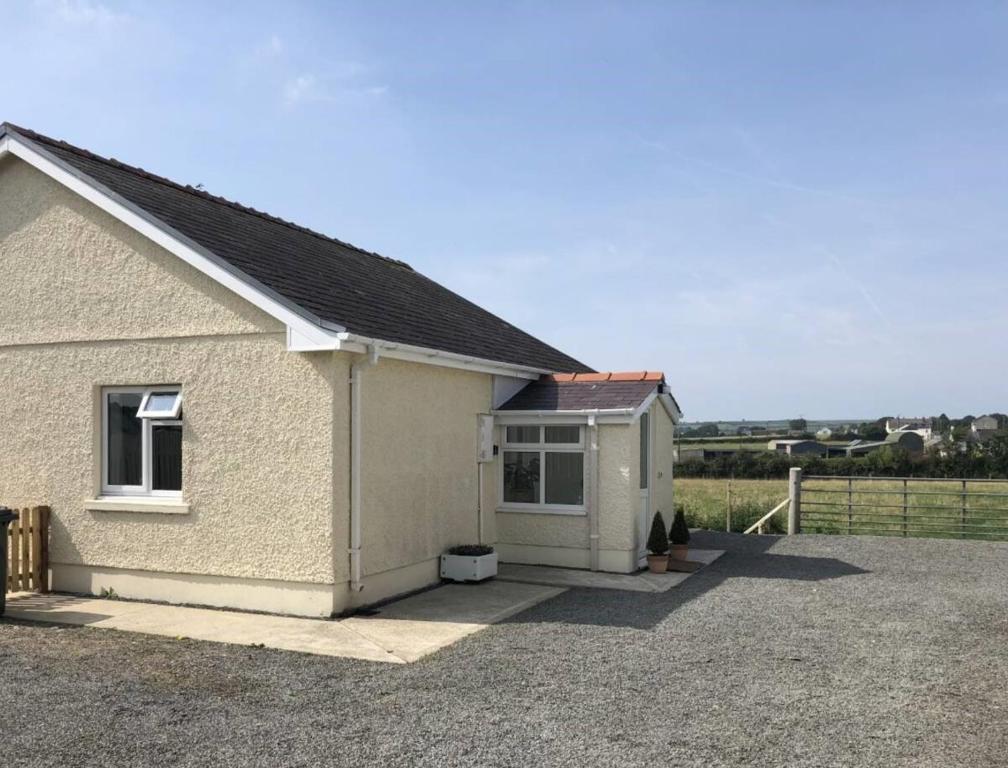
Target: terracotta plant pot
[
  {"x": 678, "y": 551},
  {"x": 657, "y": 563}
]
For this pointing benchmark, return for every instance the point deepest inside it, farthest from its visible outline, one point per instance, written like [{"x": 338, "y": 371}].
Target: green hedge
[{"x": 989, "y": 461}]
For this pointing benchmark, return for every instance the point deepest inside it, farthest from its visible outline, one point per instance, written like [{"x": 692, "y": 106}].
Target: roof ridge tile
[{"x": 577, "y": 378}]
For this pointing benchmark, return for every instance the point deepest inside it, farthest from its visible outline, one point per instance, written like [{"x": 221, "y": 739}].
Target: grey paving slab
[
  {"x": 402, "y": 631},
  {"x": 643, "y": 581}
]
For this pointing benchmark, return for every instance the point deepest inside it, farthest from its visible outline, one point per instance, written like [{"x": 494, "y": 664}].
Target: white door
[{"x": 644, "y": 509}]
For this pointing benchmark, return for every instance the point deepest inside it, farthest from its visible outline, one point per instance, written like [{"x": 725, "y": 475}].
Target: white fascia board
[
  {"x": 670, "y": 407},
  {"x": 609, "y": 416},
  {"x": 300, "y": 341},
  {"x": 305, "y": 332},
  {"x": 645, "y": 406},
  {"x": 351, "y": 342}
]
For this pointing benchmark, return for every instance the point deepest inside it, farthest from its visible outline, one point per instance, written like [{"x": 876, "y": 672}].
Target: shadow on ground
[{"x": 745, "y": 557}]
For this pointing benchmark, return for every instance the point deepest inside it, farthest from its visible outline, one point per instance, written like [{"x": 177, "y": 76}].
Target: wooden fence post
[
  {"x": 904, "y": 507},
  {"x": 40, "y": 548},
  {"x": 14, "y": 552},
  {"x": 962, "y": 519},
  {"x": 44, "y": 515},
  {"x": 850, "y": 504},
  {"x": 728, "y": 513},
  {"x": 794, "y": 496},
  {"x": 26, "y": 549}
]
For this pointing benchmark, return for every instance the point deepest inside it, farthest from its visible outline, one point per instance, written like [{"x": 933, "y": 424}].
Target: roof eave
[
  {"x": 351, "y": 342},
  {"x": 599, "y": 415},
  {"x": 306, "y": 332},
  {"x": 671, "y": 407}
]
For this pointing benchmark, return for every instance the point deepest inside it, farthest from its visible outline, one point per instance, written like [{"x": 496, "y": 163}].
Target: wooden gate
[{"x": 28, "y": 551}]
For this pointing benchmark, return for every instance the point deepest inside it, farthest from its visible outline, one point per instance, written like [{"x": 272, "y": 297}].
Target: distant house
[
  {"x": 824, "y": 434},
  {"x": 907, "y": 440},
  {"x": 798, "y": 447},
  {"x": 919, "y": 426},
  {"x": 985, "y": 422},
  {"x": 983, "y": 428},
  {"x": 688, "y": 454}
]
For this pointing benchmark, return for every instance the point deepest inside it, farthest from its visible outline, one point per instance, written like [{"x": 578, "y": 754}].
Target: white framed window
[
  {"x": 543, "y": 468},
  {"x": 142, "y": 441},
  {"x": 160, "y": 404}
]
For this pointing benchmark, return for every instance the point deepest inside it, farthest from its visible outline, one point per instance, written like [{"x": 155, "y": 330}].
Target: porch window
[
  {"x": 142, "y": 441},
  {"x": 543, "y": 467}
]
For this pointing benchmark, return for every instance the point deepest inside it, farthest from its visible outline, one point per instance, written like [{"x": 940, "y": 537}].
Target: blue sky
[{"x": 790, "y": 208}]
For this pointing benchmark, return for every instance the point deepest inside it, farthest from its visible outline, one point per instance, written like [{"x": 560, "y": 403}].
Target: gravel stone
[{"x": 787, "y": 651}]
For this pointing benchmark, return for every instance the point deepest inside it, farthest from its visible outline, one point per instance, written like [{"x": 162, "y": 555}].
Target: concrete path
[
  {"x": 419, "y": 625},
  {"x": 401, "y": 632},
  {"x": 635, "y": 582}
]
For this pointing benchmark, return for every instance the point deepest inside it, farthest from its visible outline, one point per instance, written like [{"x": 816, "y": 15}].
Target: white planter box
[{"x": 468, "y": 568}]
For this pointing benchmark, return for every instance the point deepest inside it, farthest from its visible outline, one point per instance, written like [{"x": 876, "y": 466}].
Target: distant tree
[
  {"x": 704, "y": 430},
  {"x": 798, "y": 425},
  {"x": 941, "y": 424},
  {"x": 872, "y": 430},
  {"x": 960, "y": 431},
  {"x": 997, "y": 454}
]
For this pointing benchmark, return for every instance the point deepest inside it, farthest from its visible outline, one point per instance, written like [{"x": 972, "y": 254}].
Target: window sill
[
  {"x": 162, "y": 506},
  {"x": 534, "y": 510}
]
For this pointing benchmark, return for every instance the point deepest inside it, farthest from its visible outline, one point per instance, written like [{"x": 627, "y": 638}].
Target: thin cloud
[
  {"x": 308, "y": 88},
  {"x": 274, "y": 47},
  {"x": 80, "y": 12},
  {"x": 303, "y": 89},
  {"x": 859, "y": 286},
  {"x": 778, "y": 183}
]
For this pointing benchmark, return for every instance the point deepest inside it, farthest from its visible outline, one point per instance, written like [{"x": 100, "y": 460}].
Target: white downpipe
[
  {"x": 356, "y": 387},
  {"x": 479, "y": 503},
  {"x": 593, "y": 493}
]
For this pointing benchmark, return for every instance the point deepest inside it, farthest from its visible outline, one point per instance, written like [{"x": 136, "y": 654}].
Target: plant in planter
[
  {"x": 657, "y": 544},
  {"x": 679, "y": 534},
  {"x": 469, "y": 562}
]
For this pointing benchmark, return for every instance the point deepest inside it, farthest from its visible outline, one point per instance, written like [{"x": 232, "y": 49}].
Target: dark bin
[{"x": 6, "y": 516}]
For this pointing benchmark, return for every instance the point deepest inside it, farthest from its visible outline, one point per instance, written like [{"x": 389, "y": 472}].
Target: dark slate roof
[
  {"x": 578, "y": 392},
  {"x": 368, "y": 294}
]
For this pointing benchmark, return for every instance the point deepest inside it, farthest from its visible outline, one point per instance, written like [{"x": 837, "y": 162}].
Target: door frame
[{"x": 644, "y": 498}]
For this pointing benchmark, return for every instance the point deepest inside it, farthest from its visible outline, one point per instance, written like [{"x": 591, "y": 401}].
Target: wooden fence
[{"x": 28, "y": 551}]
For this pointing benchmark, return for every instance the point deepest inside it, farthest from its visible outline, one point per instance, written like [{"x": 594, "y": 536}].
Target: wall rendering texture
[
  {"x": 664, "y": 496},
  {"x": 418, "y": 461},
  {"x": 86, "y": 303}
]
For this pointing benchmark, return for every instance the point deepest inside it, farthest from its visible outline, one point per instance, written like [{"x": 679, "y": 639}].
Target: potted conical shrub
[
  {"x": 657, "y": 544},
  {"x": 679, "y": 535}
]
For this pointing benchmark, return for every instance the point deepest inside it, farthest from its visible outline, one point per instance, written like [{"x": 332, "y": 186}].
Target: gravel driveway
[{"x": 810, "y": 650}]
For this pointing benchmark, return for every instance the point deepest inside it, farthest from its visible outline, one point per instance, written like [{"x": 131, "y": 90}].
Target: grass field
[{"x": 932, "y": 509}]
